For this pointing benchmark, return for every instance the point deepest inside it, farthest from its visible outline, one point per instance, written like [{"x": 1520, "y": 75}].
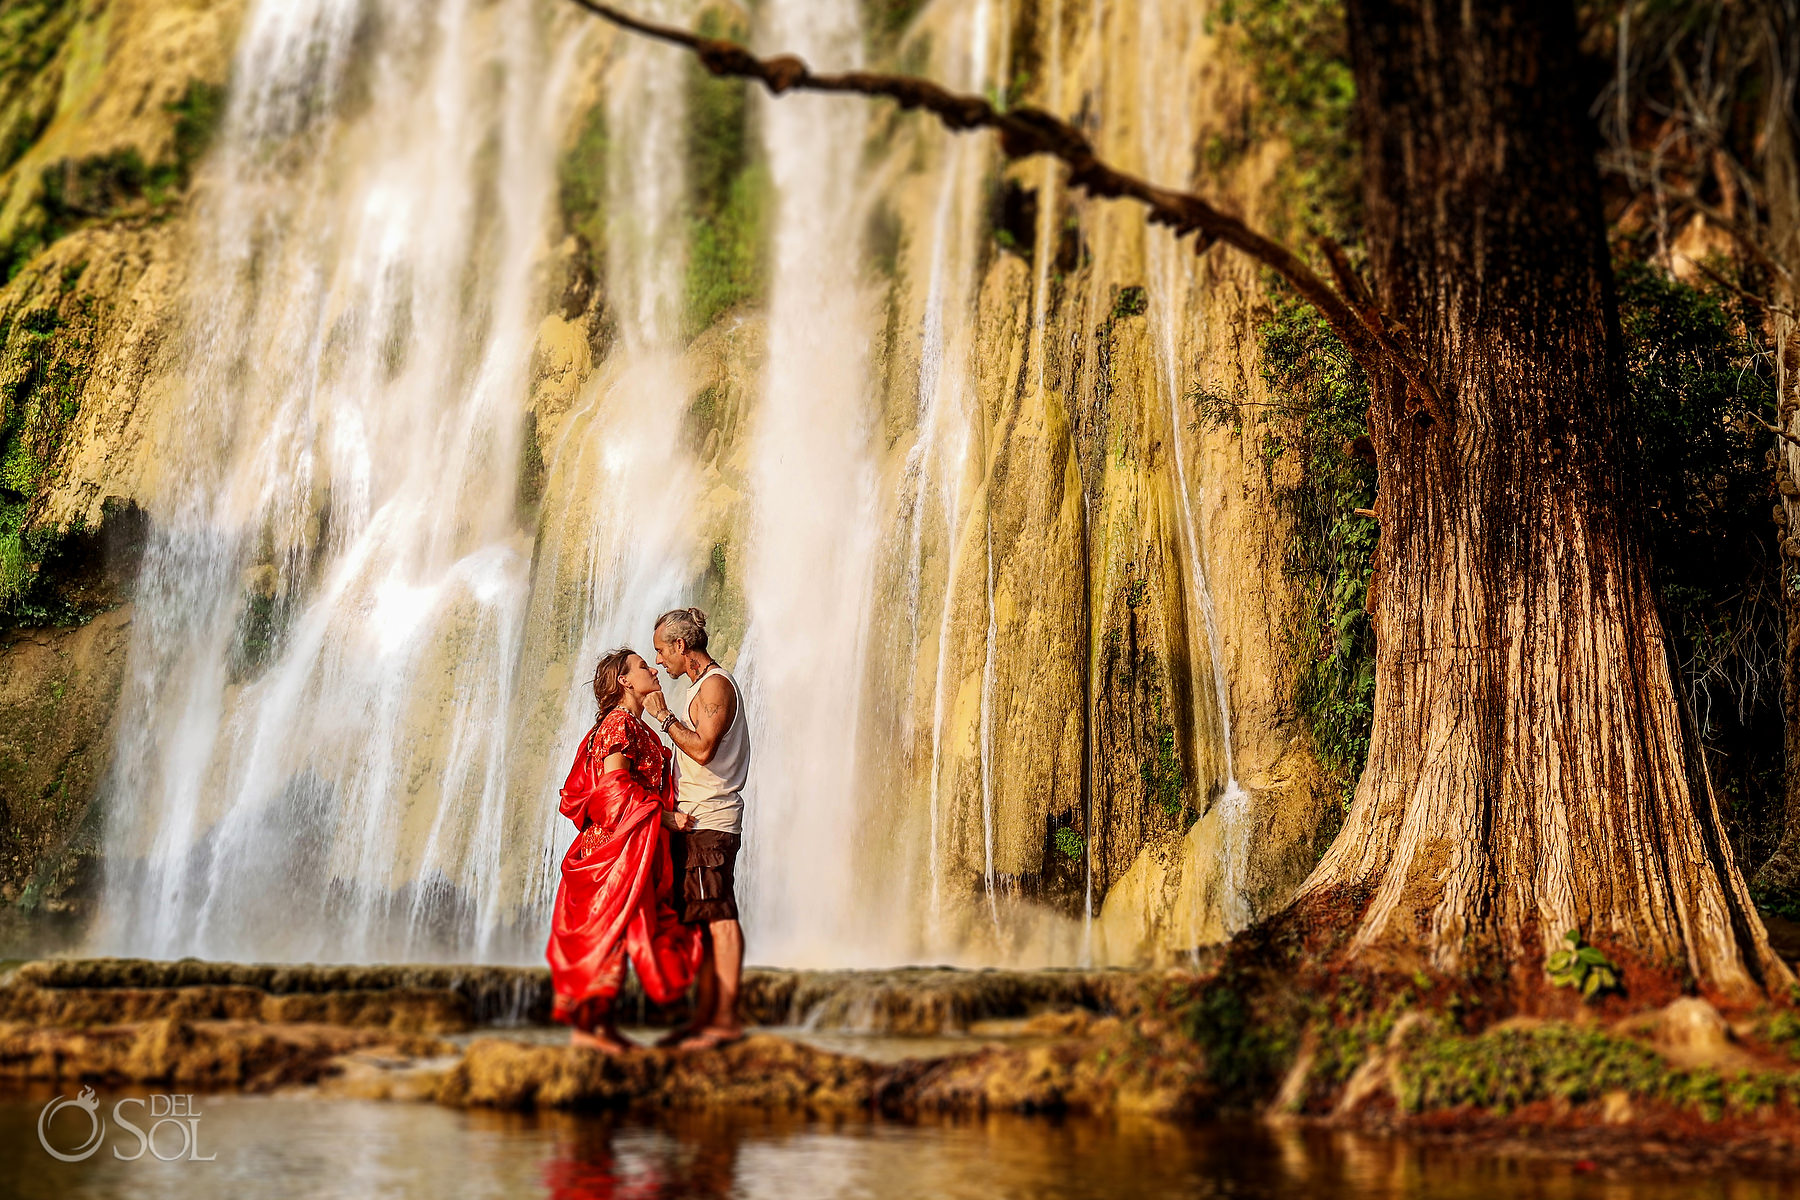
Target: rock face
[
  {"x": 204, "y": 1055},
  {"x": 104, "y": 109},
  {"x": 1087, "y": 724},
  {"x": 910, "y": 1002}
]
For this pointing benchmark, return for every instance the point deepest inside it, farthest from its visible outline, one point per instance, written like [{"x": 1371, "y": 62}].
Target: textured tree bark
[{"x": 1532, "y": 768}]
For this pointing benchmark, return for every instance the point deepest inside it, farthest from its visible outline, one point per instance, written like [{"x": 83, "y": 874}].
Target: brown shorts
[{"x": 705, "y": 863}]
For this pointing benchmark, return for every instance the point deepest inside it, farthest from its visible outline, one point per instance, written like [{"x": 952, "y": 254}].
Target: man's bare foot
[
  {"x": 676, "y": 1037},
  {"x": 604, "y": 1043},
  {"x": 713, "y": 1037}
]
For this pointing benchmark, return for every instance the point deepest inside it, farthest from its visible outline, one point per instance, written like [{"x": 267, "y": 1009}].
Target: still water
[{"x": 302, "y": 1146}]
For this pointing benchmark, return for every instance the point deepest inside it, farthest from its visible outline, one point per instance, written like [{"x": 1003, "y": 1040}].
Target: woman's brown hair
[{"x": 609, "y": 689}]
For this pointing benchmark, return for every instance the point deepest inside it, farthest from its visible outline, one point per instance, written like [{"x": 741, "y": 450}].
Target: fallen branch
[{"x": 1372, "y": 340}]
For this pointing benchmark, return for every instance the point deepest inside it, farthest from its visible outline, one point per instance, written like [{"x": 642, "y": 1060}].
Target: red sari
[{"x": 616, "y": 897}]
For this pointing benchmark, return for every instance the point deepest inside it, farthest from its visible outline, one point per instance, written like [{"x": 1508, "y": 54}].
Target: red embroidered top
[{"x": 645, "y": 757}]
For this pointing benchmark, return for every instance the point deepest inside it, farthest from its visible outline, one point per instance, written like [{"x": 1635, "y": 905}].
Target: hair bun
[{"x": 699, "y": 617}]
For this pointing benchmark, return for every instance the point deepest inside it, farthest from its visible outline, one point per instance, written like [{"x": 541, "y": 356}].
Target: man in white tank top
[{"x": 712, "y": 759}]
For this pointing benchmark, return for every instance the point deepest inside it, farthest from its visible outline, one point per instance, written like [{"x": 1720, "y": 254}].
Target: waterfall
[
  {"x": 312, "y": 754},
  {"x": 620, "y": 545},
  {"x": 811, "y": 541},
  {"x": 375, "y": 591},
  {"x": 1167, "y": 27}
]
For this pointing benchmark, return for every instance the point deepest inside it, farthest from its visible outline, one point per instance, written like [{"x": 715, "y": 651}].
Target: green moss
[
  {"x": 1246, "y": 1051},
  {"x": 45, "y": 356},
  {"x": 1503, "y": 1069},
  {"x": 581, "y": 190},
  {"x": 1164, "y": 780},
  {"x": 32, "y": 33},
  {"x": 198, "y": 114},
  {"x": 1070, "y": 844},
  {"x": 75, "y": 192},
  {"x": 1131, "y": 301},
  {"x": 728, "y": 194}
]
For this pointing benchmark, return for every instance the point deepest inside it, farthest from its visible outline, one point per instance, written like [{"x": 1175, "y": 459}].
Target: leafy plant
[
  {"x": 1582, "y": 967},
  {"x": 1069, "y": 843}
]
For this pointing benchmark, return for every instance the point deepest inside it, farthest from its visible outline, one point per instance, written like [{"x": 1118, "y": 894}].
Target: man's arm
[{"x": 716, "y": 706}]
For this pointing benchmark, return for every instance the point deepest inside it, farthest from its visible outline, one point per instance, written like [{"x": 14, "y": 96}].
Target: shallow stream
[{"x": 307, "y": 1146}]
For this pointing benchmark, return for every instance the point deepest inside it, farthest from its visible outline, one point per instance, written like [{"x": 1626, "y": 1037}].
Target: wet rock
[
  {"x": 921, "y": 1001},
  {"x": 212, "y": 1055},
  {"x": 1689, "y": 1032},
  {"x": 759, "y": 1072},
  {"x": 410, "y": 998},
  {"x": 906, "y": 1002}
]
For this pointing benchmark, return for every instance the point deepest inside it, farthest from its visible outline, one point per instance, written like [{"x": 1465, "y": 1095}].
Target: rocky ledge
[
  {"x": 431, "y": 998},
  {"x": 1681, "y": 1080}
]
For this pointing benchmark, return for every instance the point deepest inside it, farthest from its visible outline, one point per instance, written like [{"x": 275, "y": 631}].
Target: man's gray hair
[{"x": 684, "y": 625}]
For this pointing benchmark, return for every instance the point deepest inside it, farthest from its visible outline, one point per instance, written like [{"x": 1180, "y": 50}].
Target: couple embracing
[{"x": 649, "y": 877}]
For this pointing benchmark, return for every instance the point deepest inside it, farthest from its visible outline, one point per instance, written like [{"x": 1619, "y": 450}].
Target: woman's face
[{"x": 638, "y": 678}]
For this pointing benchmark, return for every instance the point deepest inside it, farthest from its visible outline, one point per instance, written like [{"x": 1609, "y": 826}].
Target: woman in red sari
[{"x": 616, "y": 897}]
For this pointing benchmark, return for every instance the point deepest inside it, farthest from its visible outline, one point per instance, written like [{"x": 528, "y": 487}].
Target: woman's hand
[{"x": 679, "y": 821}]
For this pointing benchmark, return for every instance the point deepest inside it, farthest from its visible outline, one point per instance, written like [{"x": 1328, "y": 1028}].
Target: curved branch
[{"x": 1028, "y": 131}]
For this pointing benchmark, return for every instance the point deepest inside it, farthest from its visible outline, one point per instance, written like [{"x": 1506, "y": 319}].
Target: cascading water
[
  {"x": 1168, "y": 26},
  {"x": 623, "y": 547},
  {"x": 357, "y": 681},
  {"x": 312, "y": 759},
  {"x": 812, "y": 536}
]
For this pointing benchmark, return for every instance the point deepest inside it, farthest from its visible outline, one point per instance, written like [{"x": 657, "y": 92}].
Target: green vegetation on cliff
[
  {"x": 1297, "y": 56},
  {"x": 72, "y": 193},
  {"x": 728, "y": 193},
  {"x": 46, "y": 347},
  {"x": 32, "y": 32}
]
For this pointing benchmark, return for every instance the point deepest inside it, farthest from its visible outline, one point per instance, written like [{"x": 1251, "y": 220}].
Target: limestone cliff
[{"x": 104, "y": 110}]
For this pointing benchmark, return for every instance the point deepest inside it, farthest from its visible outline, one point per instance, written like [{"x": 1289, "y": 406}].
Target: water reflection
[{"x": 305, "y": 1147}]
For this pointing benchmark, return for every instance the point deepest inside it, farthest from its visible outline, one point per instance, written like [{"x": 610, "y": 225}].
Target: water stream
[{"x": 297, "y": 1147}]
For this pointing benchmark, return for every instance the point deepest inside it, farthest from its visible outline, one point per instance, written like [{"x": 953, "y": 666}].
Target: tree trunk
[{"x": 1532, "y": 768}]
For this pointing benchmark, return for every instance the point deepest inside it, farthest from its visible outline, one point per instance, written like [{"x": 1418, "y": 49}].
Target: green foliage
[
  {"x": 1694, "y": 372},
  {"x": 1298, "y": 55},
  {"x": 1131, "y": 301},
  {"x": 1161, "y": 773},
  {"x": 1582, "y": 967},
  {"x": 1783, "y": 1030},
  {"x": 1319, "y": 403},
  {"x": 1070, "y": 844},
  {"x": 1503, "y": 1069},
  {"x": 728, "y": 193},
  {"x": 1243, "y": 1054}
]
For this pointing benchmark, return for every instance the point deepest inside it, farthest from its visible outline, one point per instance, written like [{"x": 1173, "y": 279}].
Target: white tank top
[{"x": 714, "y": 792}]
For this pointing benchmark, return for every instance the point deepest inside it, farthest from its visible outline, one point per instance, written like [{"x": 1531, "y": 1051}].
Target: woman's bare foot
[
  {"x": 604, "y": 1042},
  {"x": 713, "y": 1037}
]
